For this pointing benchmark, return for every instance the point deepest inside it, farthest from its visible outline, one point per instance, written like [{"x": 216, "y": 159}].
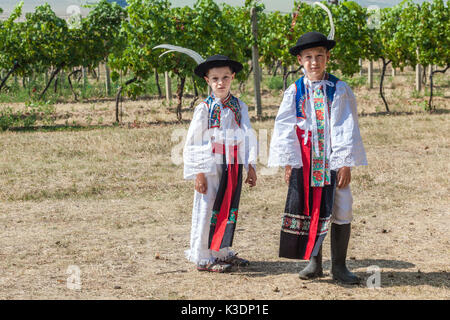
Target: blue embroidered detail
[
  {"x": 231, "y": 103},
  {"x": 301, "y": 97}
]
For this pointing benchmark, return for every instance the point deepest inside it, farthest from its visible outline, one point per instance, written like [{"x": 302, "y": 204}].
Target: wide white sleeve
[
  {"x": 284, "y": 145},
  {"x": 197, "y": 153},
  {"x": 250, "y": 143},
  {"x": 346, "y": 142}
]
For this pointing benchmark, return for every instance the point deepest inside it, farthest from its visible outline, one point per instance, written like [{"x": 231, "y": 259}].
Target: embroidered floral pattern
[
  {"x": 233, "y": 216},
  {"x": 319, "y": 115},
  {"x": 231, "y": 103},
  {"x": 215, "y": 117},
  {"x": 323, "y": 226},
  {"x": 299, "y": 225},
  {"x": 320, "y": 168},
  {"x": 318, "y": 176},
  {"x": 214, "y": 216}
]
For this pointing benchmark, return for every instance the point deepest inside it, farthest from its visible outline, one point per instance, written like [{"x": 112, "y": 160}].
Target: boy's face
[
  {"x": 219, "y": 80},
  {"x": 314, "y": 60}
]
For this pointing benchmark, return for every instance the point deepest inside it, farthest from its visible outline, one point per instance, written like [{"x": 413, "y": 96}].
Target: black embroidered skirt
[
  {"x": 297, "y": 241},
  {"x": 226, "y": 207}
]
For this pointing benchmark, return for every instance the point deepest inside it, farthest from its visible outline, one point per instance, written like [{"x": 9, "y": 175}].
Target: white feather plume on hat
[{"x": 191, "y": 53}]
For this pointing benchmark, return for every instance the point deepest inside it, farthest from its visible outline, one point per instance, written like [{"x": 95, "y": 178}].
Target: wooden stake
[
  {"x": 418, "y": 74},
  {"x": 255, "y": 58},
  {"x": 360, "y": 67},
  {"x": 168, "y": 88},
  {"x": 418, "y": 77},
  {"x": 108, "y": 80},
  {"x": 84, "y": 73},
  {"x": 370, "y": 75}
]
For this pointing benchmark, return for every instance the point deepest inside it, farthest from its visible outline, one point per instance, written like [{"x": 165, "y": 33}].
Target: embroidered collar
[
  {"x": 230, "y": 102},
  {"x": 325, "y": 80}
]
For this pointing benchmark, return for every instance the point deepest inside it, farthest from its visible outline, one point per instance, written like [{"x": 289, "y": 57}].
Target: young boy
[
  {"x": 219, "y": 143},
  {"x": 317, "y": 139}
]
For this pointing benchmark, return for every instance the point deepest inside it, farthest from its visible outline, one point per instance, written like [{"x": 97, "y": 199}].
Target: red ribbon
[
  {"x": 317, "y": 193},
  {"x": 232, "y": 177}
]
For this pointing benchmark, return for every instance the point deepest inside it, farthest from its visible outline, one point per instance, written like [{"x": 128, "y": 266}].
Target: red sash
[
  {"x": 317, "y": 193},
  {"x": 226, "y": 206}
]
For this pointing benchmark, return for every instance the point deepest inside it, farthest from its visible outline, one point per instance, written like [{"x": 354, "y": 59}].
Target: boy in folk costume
[
  {"x": 317, "y": 139},
  {"x": 219, "y": 143}
]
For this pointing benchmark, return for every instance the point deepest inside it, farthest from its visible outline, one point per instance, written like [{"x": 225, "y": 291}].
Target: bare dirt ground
[{"x": 107, "y": 206}]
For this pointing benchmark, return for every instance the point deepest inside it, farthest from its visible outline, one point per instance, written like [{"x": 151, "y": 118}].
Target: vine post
[
  {"x": 108, "y": 79},
  {"x": 255, "y": 61},
  {"x": 360, "y": 62},
  {"x": 370, "y": 74},
  {"x": 168, "y": 83},
  {"x": 418, "y": 74}
]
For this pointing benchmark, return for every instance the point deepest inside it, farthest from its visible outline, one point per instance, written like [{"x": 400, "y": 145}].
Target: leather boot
[
  {"x": 314, "y": 267},
  {"x": 340, "y": 236}
]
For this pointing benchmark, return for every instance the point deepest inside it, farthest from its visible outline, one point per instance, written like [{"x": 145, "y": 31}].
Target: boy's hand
[
  {"x": 251, "y": 176},
  {"x": 287, "y": 174},
  {"x": 201, "y": 184},
  {"x": 344, "y": 176}
]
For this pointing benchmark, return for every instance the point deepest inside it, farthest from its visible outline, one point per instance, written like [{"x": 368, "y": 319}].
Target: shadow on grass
[
  {"x": 267, "y": 268},
  {"x": 110, "y": 99},
  {"x": 127, "y": 125},
  {"x": 405, "y": 113},
  {"x": 134, "y": 125},
  {"x": 264, "y": 268},
  {"x": 396, "y": 279},
  {"x": 61, "y": 127},
  {"x": 371, "y": 114},
  {"x": 391, "y": 278},
  {"x": 166, "y": 123}
]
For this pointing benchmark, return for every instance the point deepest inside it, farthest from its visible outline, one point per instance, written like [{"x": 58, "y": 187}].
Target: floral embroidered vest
[
  {"x": 320, "y": 164},
  {"x": 301, "y": 97},
  {"x": 320, "y": 168},
  {"x": 231, "y": 102}
]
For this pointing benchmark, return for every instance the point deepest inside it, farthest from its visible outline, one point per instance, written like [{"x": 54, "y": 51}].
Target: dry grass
[{"x": 110, "y": 201}]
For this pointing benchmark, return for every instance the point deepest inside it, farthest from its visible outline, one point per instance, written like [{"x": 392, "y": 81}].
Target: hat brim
[
  {"x": 329, "y": 44},
  {"x": 202, "y": 69}
]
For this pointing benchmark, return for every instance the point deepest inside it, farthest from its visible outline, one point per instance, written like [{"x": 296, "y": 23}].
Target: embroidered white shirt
[{"x": 345, "y": 147}]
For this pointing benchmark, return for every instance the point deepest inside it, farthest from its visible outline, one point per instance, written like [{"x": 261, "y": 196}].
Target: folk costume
[
  {"x": 220, "y": 143},
  {"x": 316, "y": 132}
]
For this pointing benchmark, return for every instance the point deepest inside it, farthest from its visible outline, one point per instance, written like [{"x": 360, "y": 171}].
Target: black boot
[
  {"x": 314, "y": 267},
  {"x": 340, "y": 235}
]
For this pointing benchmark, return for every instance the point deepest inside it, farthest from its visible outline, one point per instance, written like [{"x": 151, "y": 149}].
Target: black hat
[
  {"x": 311, "y": 40},
  {"x": 217, "y": 61}
]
